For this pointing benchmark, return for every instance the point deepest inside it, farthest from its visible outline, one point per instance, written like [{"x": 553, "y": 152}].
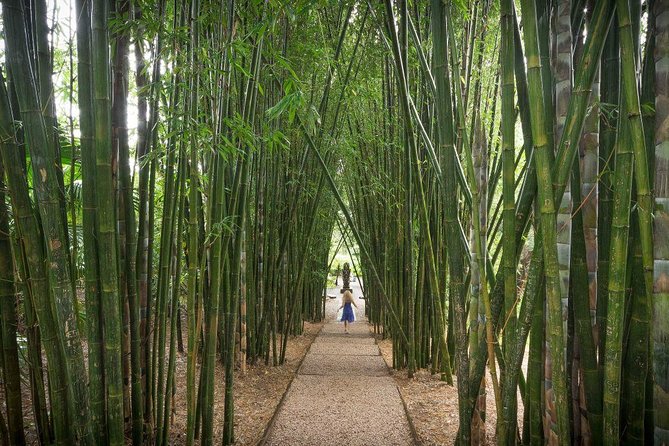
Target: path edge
[
  {"x": 412, "y": 426},
  {"x": 272, "y": 421}
]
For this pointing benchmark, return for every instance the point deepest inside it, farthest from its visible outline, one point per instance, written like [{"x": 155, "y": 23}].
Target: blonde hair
[{"x": 347, "y": 297}]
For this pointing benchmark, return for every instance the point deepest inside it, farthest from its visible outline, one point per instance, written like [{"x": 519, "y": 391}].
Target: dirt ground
[
  {"x": 257, "y": 394},
  {"x": 433, "y": 404}
]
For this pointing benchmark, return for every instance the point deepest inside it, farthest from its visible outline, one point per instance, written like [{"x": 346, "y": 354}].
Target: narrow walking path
[{"x": 343, "y": 393}]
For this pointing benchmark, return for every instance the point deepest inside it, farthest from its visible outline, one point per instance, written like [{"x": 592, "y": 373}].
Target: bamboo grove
[{"x": 172, "y": 173}]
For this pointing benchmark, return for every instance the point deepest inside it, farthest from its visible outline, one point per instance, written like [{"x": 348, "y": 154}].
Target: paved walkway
[{"x": 343, "y": 393}]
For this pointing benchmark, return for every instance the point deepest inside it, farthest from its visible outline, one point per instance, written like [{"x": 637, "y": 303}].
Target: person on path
[{"x": 347, "y": 304}]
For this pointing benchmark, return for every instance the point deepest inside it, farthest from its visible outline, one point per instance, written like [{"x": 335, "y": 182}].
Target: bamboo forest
[{"x": 181, "y": 179}]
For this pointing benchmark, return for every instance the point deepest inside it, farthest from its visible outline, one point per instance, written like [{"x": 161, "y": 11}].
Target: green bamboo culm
[
  {"x": 444, "y": 117},
  {"x": 628, "y": 160},
  {"x": 506, "y": 426},
  {"x": 105, "y": 224},
  {"x": 547, "y": 209},
  {"x": 636, "y": 414},
  {"x": 193, "y": 236},
  {"x": 174, "y": 174},
  {"x": 409, "y": 143},
  {"x": 613, "y": 352},
  {"x": 127, "y": 220},
  {"x": 47, "y": 193},
  {"x": 637, "y": 344},
  {"x": 91, "y": 273},
  {"x": 610, "y": 81},
  {"x": 32, "y": 248},
  {"x": 630, "y": 91},
  {"x": 217, "y": 212},
  {"x": 8, "y": 326}
]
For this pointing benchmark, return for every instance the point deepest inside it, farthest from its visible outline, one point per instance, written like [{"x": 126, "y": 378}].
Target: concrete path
[{"x": 343, "y": 393}]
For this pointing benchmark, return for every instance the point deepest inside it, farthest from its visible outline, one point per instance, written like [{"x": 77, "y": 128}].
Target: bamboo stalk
[
  {"x": 547, "y": 209},
  {"x": 105, "y": 224},
  {"x": 46, "y": 189},
  {"x": 91, "y": 273},
  {"x": 506, "y": 425},
  {"x": 127, "y": 210},
  {"x": 456, "y": 292},
  {"x": 193, "y": 236},
  {"x": 617, "y": 282},
  {"x": 8, "y": 325},
  {"x": 28, "y": 233},
  {"x": 211, "y": 316}
]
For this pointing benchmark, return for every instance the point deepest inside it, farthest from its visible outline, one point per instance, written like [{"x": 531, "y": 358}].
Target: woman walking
[{"x": 347, "y": 304}]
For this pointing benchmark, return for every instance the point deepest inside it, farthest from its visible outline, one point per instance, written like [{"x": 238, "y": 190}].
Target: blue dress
[{"x": 348, "y": 315}]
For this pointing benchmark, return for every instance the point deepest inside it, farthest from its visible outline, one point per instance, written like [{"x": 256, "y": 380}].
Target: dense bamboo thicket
[{"x": 172, "y": 174}]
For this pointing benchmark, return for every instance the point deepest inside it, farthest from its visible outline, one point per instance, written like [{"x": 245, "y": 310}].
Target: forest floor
[
  {"x": 432, "y": 404},
  {"x": 257, "y": 393}
]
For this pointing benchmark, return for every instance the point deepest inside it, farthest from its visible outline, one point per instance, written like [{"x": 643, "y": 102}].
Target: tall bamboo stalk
[
  {"x": 127, "y": 211},
  {"x": 585, "y": 233},
  {"x": 47, "y": 193},
  {"x": 617, "y": 281},
  {"x": 212, "y": 314},
  {"x": 642, "y": 178},
  {"x": 31, "y": 245},
  {"x": 547, "y": 209},
  {"x": 105, "y": 223},
  {"x": 562, "y": 77},
  {"x": 146, "y": 143},
  {"x": 447, "y": 153},
  {"x": 91, "y": 273},
  {"x": 193, "y": 237},
  {"x": 8, "y": 325},
  {"x": 506, "y": 426},
  {"x": 632, "y": 134}
]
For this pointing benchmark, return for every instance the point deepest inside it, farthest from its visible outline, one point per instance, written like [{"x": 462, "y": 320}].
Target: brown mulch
[
  {"x": 432, "y": 404},
  {"x": 257, "y": 394}
]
